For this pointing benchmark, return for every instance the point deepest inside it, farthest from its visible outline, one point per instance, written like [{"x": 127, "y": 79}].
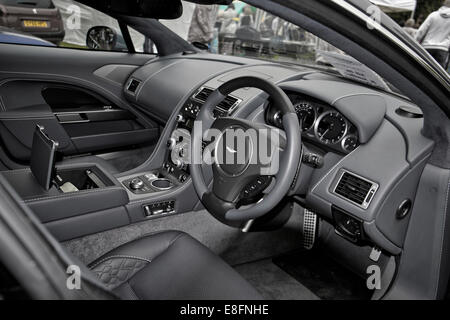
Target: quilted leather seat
[
  {"x": 170, "y": 265},
  {"x": 165, "y": 265}
]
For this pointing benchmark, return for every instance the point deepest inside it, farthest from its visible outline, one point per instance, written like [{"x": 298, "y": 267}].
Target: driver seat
[
  {"x": 170, "y": 265},
  {"x": 164, "y": 265}
]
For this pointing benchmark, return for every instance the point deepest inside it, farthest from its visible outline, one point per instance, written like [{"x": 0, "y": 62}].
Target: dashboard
[
  {"x": 320, "y": 123},
  {"x": 371, "y": 150}
]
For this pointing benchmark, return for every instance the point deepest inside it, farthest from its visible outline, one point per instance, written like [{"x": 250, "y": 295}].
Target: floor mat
[
  {"x": 323, "y": 276},
  {"x": 272, "y": 282}
]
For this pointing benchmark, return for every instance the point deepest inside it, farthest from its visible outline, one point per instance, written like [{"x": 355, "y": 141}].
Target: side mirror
[{"x": 101, "y": 38}]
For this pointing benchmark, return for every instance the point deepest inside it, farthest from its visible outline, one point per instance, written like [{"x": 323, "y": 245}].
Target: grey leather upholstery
[
  {"x": 52, "y": 205},
  {"x": 170, "y": 265},
  {"x": 65, "y": 206},
  {"x": 166, "y": 265}
]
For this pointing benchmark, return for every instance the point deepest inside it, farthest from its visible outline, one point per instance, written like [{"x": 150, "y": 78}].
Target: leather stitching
[
  {"x": 133, "y": 293},
  {"x": 86, "y": 83},
  {"x": 117, "y": 270},
  {"x": 73, "y": 194},
  {"x": 171, "y": 242},
  {"x": 355, "y": 95},
  {"x": 118, "y": 257},
  {"x": 15, "y": 172},
  {"x": 2, "y": 104}
]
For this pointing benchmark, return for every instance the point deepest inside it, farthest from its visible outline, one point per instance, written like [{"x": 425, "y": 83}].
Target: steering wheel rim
[{"x": 226, "y": 211}]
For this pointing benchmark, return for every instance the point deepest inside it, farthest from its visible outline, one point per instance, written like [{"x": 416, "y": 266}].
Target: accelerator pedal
[{"x": 309, "y": 229}]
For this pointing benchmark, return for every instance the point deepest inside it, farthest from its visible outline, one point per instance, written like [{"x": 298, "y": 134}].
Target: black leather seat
[
  {"x": 165, "y": 265},
  {"x": 170, "y": 265}
]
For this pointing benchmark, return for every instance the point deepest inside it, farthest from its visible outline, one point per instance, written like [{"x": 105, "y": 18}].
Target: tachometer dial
[
  {"x": 349, "y": 143},
  {"x": 306, "y": 114},
  {"x": 331, "y": 127}
]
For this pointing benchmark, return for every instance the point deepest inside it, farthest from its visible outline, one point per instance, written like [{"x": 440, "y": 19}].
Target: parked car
[
  {"x": 39, "y": 18},
  {"x": 12, "y": 36}
]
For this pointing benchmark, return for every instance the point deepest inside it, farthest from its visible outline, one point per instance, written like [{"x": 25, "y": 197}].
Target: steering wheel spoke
[
  {"x": 216, "y": 205},
  {"x": 229, "y": 188}
]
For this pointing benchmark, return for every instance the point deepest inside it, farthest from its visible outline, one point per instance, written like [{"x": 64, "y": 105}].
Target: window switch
[{"x": 147, "y": 211}]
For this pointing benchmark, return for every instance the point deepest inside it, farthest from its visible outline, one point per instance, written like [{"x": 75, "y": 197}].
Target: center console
[
  {"x": 77, "y": 190},
  {"x": 179, "y": 144},
  {"x": 175, "y": 169},
  {"x": 153, "y": 192},
  {"x": 61, "y": 192},
  {"x": 150, "y": 182}
]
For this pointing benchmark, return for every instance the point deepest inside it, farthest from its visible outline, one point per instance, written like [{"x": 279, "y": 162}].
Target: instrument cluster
[{"x": 320, "y": 123}]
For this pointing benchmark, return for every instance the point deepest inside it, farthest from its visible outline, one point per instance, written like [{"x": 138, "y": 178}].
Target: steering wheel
[{"x": 247, "y": 163}]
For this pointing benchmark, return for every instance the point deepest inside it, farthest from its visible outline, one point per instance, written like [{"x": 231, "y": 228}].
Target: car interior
[{"x": 95, "y": 157}]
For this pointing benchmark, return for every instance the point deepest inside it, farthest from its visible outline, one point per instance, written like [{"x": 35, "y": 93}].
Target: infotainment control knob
[{"x": 136, "y": 184}]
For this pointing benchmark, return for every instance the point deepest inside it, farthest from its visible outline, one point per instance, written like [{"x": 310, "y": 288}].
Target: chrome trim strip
[{"x": 247, "y": 226}]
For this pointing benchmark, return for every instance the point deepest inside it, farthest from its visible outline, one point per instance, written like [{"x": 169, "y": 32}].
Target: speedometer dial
[
  {"x": 306, "y": 114},
  {"x": 331, "y": 127}
]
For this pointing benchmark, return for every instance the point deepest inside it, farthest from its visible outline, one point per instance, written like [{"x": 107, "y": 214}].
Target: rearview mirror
[
  {"x": 156, "y": 9},
  {"x": 101, "y": 38}
]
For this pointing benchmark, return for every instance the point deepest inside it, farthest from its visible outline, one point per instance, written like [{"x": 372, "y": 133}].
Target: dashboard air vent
[
  {"x": 356, "y": 189},
  {"x": 228, "y": 103},
  {"x": 225, "y": 107},
  {"x": 133, "y": 85},
  {"x": 203, "y": 94}
]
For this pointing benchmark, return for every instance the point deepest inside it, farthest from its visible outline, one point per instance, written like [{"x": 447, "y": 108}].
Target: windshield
[{"x": 245, "y": 31}]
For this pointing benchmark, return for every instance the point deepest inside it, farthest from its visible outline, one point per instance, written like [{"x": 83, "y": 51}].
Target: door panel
[
  {"x": 17, "y": 127},
  {"x": 95, "y": 124},
  {"x": 76, "y": 95}
]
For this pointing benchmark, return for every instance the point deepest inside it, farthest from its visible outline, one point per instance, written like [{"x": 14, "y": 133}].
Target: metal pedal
[{"x": 309, "y": 229}]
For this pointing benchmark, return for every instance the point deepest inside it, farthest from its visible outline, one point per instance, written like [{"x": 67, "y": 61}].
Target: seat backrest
[{"x": 35, "y": 259}]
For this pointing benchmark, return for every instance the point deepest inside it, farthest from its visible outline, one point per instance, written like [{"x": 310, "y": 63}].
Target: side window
[
  {"x": 62, "y": 23},
  {"x": 140, "y": 42}
]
